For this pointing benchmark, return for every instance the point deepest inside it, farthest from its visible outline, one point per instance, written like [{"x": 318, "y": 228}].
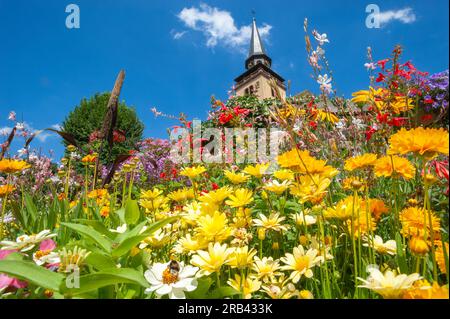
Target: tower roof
[{"x": 256, "y": 45}]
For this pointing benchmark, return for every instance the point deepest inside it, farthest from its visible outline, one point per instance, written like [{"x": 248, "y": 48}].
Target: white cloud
[
  {"x": 4, "y": 131},
  {"x": 177, "y": 35},
  {"x": 57, "y": 127},
  {"x": 41, "y": 136},
  {"x": 405, "y": 15},
  {"x": 219, "y": 27}
]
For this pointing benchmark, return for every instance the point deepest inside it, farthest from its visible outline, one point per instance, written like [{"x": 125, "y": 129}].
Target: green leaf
[
  {"x": 105, "y": 278},
  {"x": 129, "y": 233},
  {"x": 30, "y": 207},
  {"x": 19, "y": 214},
  {"x": 15, "y": 256},
  {"x": 31, "y": 272},
  {"x": 92, "y": 234},
  {"x": 97, "y": 225},
  {"x": 121, "y": 213},
  {"x": 100, "y": 261},
  {"x": 132, "y": 212},
  {"x": 129, "y": 242},
  {"x": 401, "y": 258}
]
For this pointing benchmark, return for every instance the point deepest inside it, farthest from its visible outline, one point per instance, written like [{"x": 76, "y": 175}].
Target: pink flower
[
  {"x": 6, "y": 281},
  {"x": 47, "y": 244},
  {"x": 12, "y": 116},
  {"x": 5, "y": 253}
]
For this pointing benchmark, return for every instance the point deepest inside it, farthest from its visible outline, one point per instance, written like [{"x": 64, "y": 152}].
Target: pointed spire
[{"x": 256, "y": 45}]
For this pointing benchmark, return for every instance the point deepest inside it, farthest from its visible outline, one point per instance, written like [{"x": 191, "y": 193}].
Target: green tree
[{"x": 87, "y": 119}]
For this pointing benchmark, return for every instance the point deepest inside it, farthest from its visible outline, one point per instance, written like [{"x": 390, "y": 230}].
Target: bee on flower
[{"x": 172, "y": 279}]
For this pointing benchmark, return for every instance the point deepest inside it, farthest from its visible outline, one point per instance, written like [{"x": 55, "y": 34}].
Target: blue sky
[{"x": 174, "y": 63}]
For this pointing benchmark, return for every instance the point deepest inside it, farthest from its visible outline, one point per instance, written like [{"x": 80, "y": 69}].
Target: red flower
[
  {"x": 238, "y": 111},
  {"x": 214, "y": 186},
  {"x": 441, "y": 168},
  {"x": 225, "y": 118},
  {"x": 398, "y": 121},
  {"x": 409, "y": 65},
  {"x": 382, "y": 118},
  {"x": 382, "y": 63},
  {"x": 119, "y": 136},
  {"x": 380, "y": 77},
  {"x": 394, "y": 84},
  {"x": 426, "y": 118},
  {"x": 369, "y": 132},
  {"x": 402, "y": 73},
  {"x": 94, "y": 136},
  {"x": 428, "y": 100},
  {"x": 162, "y": 175},
  {"x": 313, "y": 125},
  {"x": 415, "y": 91}
]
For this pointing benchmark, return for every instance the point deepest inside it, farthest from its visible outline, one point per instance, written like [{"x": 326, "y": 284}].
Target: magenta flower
[{"x": 6, "y": 281}]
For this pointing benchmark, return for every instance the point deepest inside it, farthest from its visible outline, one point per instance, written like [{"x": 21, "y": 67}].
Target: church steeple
[
  {"x": 258, "y": 78},
  {"x": 256, "y": 53}
]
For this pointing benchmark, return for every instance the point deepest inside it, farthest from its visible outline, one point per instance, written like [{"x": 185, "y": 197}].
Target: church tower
[{"x": 255, "y": 80}]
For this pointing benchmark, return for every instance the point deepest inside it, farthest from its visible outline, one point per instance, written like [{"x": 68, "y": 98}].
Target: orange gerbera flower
[
  {"x": 427, "y": 142},
  {"x": 10, "y": 166},
  {"x": 402, "y": 167},
  {"x": 6, "y": 189}
]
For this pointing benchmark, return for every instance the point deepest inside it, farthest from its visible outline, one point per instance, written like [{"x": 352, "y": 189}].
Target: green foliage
[
  {"x": 29, "y": 271},
  {"x": 88, "y": 117}
]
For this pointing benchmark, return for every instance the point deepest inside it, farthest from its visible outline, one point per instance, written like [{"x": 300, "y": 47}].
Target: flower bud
[
  {"x": 303, "y": 240},
  {"x": 418, "y": 246},
  {"x": 71, "y": 148},
  {"x": 261, "y": 233}
]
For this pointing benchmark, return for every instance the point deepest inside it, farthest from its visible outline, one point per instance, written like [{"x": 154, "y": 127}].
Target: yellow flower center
[
  {"x": 168, "y": 277},
  {"x": 42, "y": 253},
  {"x": 302, "y": 263}
]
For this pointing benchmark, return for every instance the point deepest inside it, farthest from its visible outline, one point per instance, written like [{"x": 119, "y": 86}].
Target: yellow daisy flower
[
  {"x": 240, "y": 198},
  {"x": 212, "y": 260},
  {"x": 193, "y": 172},
  {"x": 257, "y": 170},
  {"x": 236, "y": 178}
]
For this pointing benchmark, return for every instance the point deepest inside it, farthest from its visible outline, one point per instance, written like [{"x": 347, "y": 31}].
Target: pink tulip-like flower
[{"x": 6, "y": 281}]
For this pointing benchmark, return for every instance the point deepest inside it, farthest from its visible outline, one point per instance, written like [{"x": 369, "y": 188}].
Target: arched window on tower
[
  {"x": 273, "y": 92},
  {"x": 247, "y": 92},
  {"x": 252, "y": 89}
]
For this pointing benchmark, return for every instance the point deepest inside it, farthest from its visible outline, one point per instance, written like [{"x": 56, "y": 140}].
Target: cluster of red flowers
[
  {"x": 118, "y": 136},
  {"x": 227, "y": 113},
  {"x": 169, "y": 175}
]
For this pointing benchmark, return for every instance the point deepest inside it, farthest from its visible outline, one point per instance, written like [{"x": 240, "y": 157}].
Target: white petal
[
  {"x": 177, "y": 294},
  {"x": 151, "y": 278},
  {"x": 188, "y": 271},
  {"x": 164, "y": 290}
]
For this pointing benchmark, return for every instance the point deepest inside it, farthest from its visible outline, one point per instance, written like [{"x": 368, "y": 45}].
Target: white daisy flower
[{"x": 166, "y": 279}]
